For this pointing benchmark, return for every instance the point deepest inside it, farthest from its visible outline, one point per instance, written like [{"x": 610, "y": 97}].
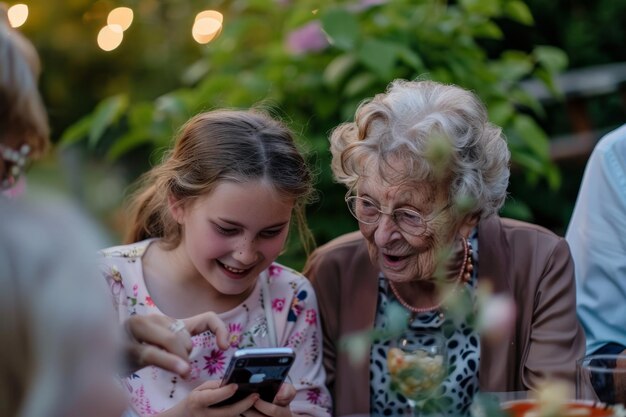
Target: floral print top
[{"x": 295, "y": 315}]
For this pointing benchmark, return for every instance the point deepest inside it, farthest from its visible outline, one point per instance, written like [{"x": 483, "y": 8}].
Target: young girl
[{"x": 208, "y": 224}]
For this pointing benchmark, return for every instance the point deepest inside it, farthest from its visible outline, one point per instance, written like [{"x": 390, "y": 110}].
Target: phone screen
[{"x": 260, "y": 370}]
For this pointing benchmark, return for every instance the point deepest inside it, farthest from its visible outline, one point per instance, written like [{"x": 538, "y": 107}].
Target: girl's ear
[{"x": 177, "y": 208}]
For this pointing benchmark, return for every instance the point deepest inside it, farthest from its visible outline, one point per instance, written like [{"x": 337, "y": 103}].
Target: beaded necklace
[{"x": 464, "y": 276}]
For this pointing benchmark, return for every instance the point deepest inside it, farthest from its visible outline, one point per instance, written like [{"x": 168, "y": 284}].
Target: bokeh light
[
  {"x": 207, "y": 26},
  {"x": 122, "y": 16},
  {"x": 18, "y": 13},
  {"x": 110, "y": 37},
  {"x": 210, "y": 14}
]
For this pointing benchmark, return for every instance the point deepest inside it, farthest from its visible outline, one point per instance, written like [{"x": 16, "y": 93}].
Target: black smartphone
[{"x": 260, "y": 370}]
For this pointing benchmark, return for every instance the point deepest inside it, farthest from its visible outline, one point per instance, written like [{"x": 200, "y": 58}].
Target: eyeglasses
[{"x": 409, "y": 221}]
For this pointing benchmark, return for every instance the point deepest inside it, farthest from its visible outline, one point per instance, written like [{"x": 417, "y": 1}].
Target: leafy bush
[{"x": 312, "y": 63}]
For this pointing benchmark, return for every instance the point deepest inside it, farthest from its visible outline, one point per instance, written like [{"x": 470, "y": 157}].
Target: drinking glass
[
  {"x": 602, "y": 378},
  {"x": 418, "y": 364}
]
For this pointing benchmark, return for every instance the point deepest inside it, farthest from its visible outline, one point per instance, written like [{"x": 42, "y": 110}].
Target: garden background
[{"x": 311, "y": 63}]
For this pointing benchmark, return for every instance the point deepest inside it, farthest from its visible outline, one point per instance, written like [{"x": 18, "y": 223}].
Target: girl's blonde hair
[
  {"x": 23, "y": 118},
  {"x": 221, "y": 145}
]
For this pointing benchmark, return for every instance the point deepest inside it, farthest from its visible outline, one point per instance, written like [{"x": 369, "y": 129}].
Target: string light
[
  {"x": 207, "y": 26},
  {"x": 110, "y": 37},
  {"x": 122, "y": 16},
  {"x": 18, "y": 13}
]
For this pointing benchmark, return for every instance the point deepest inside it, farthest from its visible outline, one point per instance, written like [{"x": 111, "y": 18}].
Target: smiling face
[
  {"x": 234, "y": 233},
  {"x": 399, "y": 255}
]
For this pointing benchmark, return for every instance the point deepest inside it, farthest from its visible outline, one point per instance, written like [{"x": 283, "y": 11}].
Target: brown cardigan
[{"x": 528, "y": 262}]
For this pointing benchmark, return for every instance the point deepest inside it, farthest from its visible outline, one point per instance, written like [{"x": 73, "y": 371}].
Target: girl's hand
[
  {"x": 198, "y": 402},
  {"x": 209, "y": 321},
  {"x": 280, "y": 406}
]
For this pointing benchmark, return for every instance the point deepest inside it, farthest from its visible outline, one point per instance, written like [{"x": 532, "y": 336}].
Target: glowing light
[
  {"x": 18, "y": 14},
  {"x": 110, "y": 37},
  {"x": 122, "y": 16},
  {"x": 210, "y": 14},
  {"x": 207, "y": 26}
]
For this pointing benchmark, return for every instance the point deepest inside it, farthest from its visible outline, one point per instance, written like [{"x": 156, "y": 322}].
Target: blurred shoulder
[{"x": 132, "y": 251}]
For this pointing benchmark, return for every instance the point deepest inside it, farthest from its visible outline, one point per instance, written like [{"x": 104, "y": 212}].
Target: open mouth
[
  {"x": 393, "y": 258},
  {"x": 232, "y": 270}
]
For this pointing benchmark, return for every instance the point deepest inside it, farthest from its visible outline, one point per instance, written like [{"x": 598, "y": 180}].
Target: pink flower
[
  {"x": 496, "y": 316},
  {"x": 149, "y": 301},
  {"x": 235, "y": 330},
  {"x": 215, "y": 362},
  {"x": 278, "y": 304},
  {"x": 311, "y": 316},
  {"x": 275, "y": 270},
  {"x": 314, "y": 396},
  {"x": 135, "y": 290},
  {"x": 308, "y": 38}
]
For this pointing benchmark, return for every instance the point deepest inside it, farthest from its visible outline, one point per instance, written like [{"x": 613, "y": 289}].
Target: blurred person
[
  {"x": 24, "y": 131},
  {"x": 207, "y": 225},
  {"x": 60, "y": 350},
  {"x": 426, "y": 174},
  {"x": 24, "y": 136},
  {"x": 597, "y": 237}
]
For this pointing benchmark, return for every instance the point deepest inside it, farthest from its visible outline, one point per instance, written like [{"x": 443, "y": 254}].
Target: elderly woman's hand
[{"x": 166, "y": 343}]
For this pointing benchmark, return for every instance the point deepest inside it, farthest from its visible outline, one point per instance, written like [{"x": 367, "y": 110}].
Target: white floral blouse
[{"x": 295, "y": 314}]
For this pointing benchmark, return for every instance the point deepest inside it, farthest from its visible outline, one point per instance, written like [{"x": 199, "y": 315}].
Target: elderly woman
[{"x": 427, "y": 174}]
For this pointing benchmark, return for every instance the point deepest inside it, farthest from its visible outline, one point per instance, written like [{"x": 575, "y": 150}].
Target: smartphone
[{"x": 260, "y": 370}]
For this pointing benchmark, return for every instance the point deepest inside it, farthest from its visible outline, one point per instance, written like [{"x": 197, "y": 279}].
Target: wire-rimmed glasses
[{"x": 409, "y": 221}]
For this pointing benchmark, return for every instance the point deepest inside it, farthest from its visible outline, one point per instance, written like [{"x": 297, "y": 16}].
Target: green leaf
[
  {"x": 488, "y": 30},
  {"x": 141, "y": 115},
  {"x": 553, "y": 175},
  {"x": 513, "y": 65},
  {"x": 516, "y": 210},
  {"x": 523, "y": 98},
  {"x": 127, "y": 142},
  {"x": 378, "y": 56},
  {"x": 341, "y": 27},
  {"x": 338, "y": 69},
  {"x": 106, "y": 113},
  {"x": 549, "y": 81},
  {"x": 76, "y": 132},
  {"x": 482, "y": 7},
  {"x": 519, "y": 11},
  {"x": 500, "y": 112},
  {"x": 411, "y": 57},
  {"x": 551, "y": 58},
  {"x": 530, "y": 162},
  {"x": 533, "y": 136},
  {"x": 359, "y": 84}
]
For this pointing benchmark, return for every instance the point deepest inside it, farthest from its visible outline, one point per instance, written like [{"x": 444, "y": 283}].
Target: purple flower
[
  {"x": 308, "y": 38},
  {"x": 214, "y": 362},
  {"x": 314, "y": 396}
]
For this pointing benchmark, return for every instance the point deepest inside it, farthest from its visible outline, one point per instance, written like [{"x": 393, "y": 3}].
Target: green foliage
[{"x": 318, "y": 88}]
